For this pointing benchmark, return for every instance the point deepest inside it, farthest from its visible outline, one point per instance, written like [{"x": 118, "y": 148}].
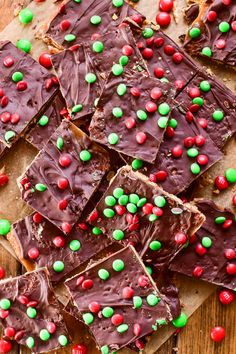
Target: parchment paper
[{"x": 192, "y": 292}]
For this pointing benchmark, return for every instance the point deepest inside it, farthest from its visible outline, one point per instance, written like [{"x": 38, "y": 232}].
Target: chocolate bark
[
  {"x": 28, "y": 304},
  {"x": 38, "y": 243},
  {"x": 142, "y": 311},
  {"x": 26, "y": 89},
  {"x": 78, "y": 21},
  {"x": 212, "y": 34},
  {"x": 64, "y": 175},
  {"x": 136, "y": 119},
  {"x": 134, "y": 210},
  {"x": 210, "y": 256}
]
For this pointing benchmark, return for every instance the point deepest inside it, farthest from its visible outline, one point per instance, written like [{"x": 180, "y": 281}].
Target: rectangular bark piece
[
  {"x": 210, "y": 255},
  {"x": 70, "y": 158},
  {"x": 135, "y": 210},
  {"x": 26, "y": 89},
  {"x": 29, "y": 305},
  {"x": 143, "y": 309}
]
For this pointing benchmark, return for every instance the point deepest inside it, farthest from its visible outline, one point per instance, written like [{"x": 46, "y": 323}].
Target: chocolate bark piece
[
  {"x": 38, "y": 243},
  {"x": 87, "y": 67},
  {"x": 186, "y": 152},
  {"x": 47, "y": 123},
  {"x": 132, "y": 115},
  {"x": 212, "y": 34},
  {"x": 78, "y": 21},
  {"x": 128, "y": 304},
  {"x": 135, "y": 210},
  {"x": 164, "y": 58},
  {"x": 26, "y": 89},
  {"x": 212, "y": 104},
  {"x": 64, "y": 175},
  {"x": 210, "y": 255},
  {"x": 191, "y": 13},
  {"x": 3, "y": 149},
  {"x": 29, "y": 305}
]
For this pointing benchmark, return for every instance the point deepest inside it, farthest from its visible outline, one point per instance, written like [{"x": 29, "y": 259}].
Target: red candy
[
  {"x": 37, "y": 218},
  {"x": 51, "y": 327},
  {"x": 211, "y": 16},
  {"x": 147, "y": 208},
  {"x": 233, "y": 26},
  {"x": 139, "y": 344},
  {"x": 147, "y": 53},
  {"x": 93, "y": 216},
  {"x": 159, "y": 41},
  {"x": 15, "y": 118},
  {"x": 220, "y": 44},
  {"x": 21, "y": 85},
  {"x": 143, "y": 281},
  {"x": 156, "y": 93},
  {"x": 170, "y": 132},
  {"x": 229, "y": 253},
  {"x": 179, "y": 84},
  {"x": 161, "y": 176},
  {"x": 94, "y": 307},
  {"x": 127, "y": 293},
  {"x": 163, "y": 19},
  {"x": 135, "y": 91},
  {"x": 127, "y": 50},
  {"x": 8, "y": 62},
  {"x": 137, "y": 329},
  {"x": 203, "y": 122},
  {"x": 9, "y": 332},
  {"x": 19, "y": 335},
  {"x": 194, "y": 92},
  {"x": 2, "y": 272},
  {"x": 83, "y": 226},
  {"x": 202, "y": 160},
  {"x": 80, "y": 280},
  {"x": 5, "y": 117},
  {"x": 62, "y": 183},
  {"x": 217, "y": 334},
  {"x": 151, "y": 107},
  {"x": 157, "y": 211},
  {"x": 180, "y": 238},
  {"x": 189, "y": 117},
  {"x": 197, "y": 272},
  {"x": 152, "y": 178},
  {"x": 65, "y": 25},
  {"x": 200, "y": 250},
  {"x": 87, "y": 284},
  {"x": 200, "y": 140},
  {"x": 137, "y": 18},
  {"x": 177, "y": 151},
  {"x": 62, "y": 204},
  {"x": 65, "y": 160},
  {"x": 166, "y": 5},
  {"x": 4, "y": 313},
  {"x": 32, "y": 303},
  {"x": 130, "y": 123},
  {"x": 117, "y": 319},
  {"x": 45, "y": 60},
  {"x": 141, "y": 138},
  {"x": 3, "y": 180},
  {"x": 221, "y": 183},
  {"x": 159, "y": 72},
  {"x": 177, "y": 58},
  {"x": 169, "y": 49},
  {"x": 59, "y": 241},
  {"x": 231, "y": 268},
  {"x": 79, "y": 349},
  {"x": 4, "y": 101},
  {"x": 189, "y": 142},
  {"x": 120, "y": 209},
  {"x": 226, "y": 297},
  {"x": 5, "y": 346},
  {"x": 234, "y": 200},
  {"x": 23, "y": 299},
  {"x": 66, "y": 227},
  {"x": 33, "y": 253},
  {"x": 227, "y": 224},
  {"x": 1, "y": 92}
]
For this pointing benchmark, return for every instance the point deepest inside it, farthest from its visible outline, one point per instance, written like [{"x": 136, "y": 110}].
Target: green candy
[
  {"x": 147, "y": 32},
  {"x": 40, "y": 187},
  {"x": 124, "y": 60},
  {"x": 122, "y": 328},
  {"x": 142, "y": 115},
  {"x": 43, "y": 121},
  {"x": 17, "y": 76},
  {"x": 58, "y": 266},
  {"x": 163, "y": 109},
  {"x": 152, "y": 300},
  {"x": 5, "y": 304},
  {"x": 30, "y": 342},
  {"x": 117, "y": 69},
  {"x": 141, "y": 202},
  {"x": 77, "y": 108},
  {"x": 164, "y": 79},
  {"x": 118, "y": 235},
  {"x": 5, "y": 227},
  {"x": 105, "y": 349},
  {"x": 31, "y": 312},
  {"x": 25, "y": 16},
  {"x": 118, "y": 265},
  {"x": 85, "y": 155},
  {"x": 131, "y": 208},
  {"x": 180, "y": 321},
  {"x": 155, "y": 245},
  {"x": 88, "y": 318},
  {"x": 70, "y": 37},
  {"x": 198, "y": 100},
  {"x": 137, "y": 164},
  {"x": 95, "y": 20},
  {"x": 44, "y": 335},
  {"x": 118, "y": 192},
  {"x": 113, "y": 138},
  {"x": 9, "y": 136},
  {"x": 206, "y": 242},
  {"x": 173, "y": 123},
  {"x": 149, "y": 270},
  {"x": 110, "y": 200},
  {"x": 195, "y": 168},
  {"x": 137, "y": 302},
  {"x": 205, "y": 86},
  {"x": 109, "y": 213},
  {"x": 230, "y": 175},
  {"x": 153, "y": 217},
  {"x": 160, "y": 201},
  {"x": 192, "y": 152},
  {"x": 224, "y": 27},
  {"x": 117, "y": 112},
  {"x": 60, "y": 143},
  {"x": 218, "y": 115},
  {"x": 96, "y": 231},
  {"x": 207, "y": 52},
  {"x": 90, "y": 78},
  {"x": 103, "y": 274},
  {"x": 98, "y": 47},
  {"x": 74, "y": 245},
  {"x": 194, "y": 32},
  {"x": 133, "y": 198},
  {"x": 118, "y": 3},
  {"x": 107, "y": 312},
  {"x": 121, "y": 89},
  {"x": 162, "y": 122},
  {"x": 220, "y": 220},
  {"x": 24, "y": 45},
  {"x": 77, "y": 1},
  {"x": 62, "y": 339},
  {"x": 123, "y": 200}
]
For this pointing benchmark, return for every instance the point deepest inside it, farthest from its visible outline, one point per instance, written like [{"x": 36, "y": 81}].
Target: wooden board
[{"x": 194, "y": 339}]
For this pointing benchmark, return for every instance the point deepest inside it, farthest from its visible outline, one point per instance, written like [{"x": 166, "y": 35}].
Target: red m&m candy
[{"x": 217, "y": 334}]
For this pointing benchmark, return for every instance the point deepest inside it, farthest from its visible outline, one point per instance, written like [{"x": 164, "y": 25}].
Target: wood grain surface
[{"x": 195, "y": 337}]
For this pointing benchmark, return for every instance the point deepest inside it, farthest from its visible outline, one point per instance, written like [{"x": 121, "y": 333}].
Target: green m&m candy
[
  {"x": 74, "y": 245},
  {"x": 163, "y": 109},
  {"x": 98, "y": 47},
  {"x": 162, "y": 122},
  {"x": 5, "y": 227},
  {"x": 62, "y": 339},
  {"x": 205, "y": 86},
  {"x": 30, "y": 342},
  {"x": 9, "y": 136},
  {"x": 220, "y": 220},
  {"x": 218, "y": 115},
  {"x": 137, "y": 302},
  {"x": 25, "y": 16},
  {"x": 118, "y": 192},
  {"x": 180, "y": 321},
  {"x": 194, "y": 32},
  {"x": 160, "y": 201},
  {"x": 77, "y": 108},
  {"x": 117, "y": 112},
  {"x": 60, "y": 143},
  {"x": 95, "y": 20},
  {"x": 70, "y": 37},
  {"x": 117, "y": 69},
  {"x": 58, "y": 266},
  {"x": 88, "y": 318},
  {"x": 118, "y": 265},
  {"x": 124, "y": 60},
  {"x": 122, "y": 328},
  {"x": 118, "y": 235},
  {"x": 117, "y": 3},
  {"x": 155, "y": 245},
  {"x": 43, "y": 121},
  {"x": 230, "y": 175},
  {"x": 153, "y": 217},
  {"x": 31, "y": 312},
  {"x": 207, "y": 52},
  {"x": 85, "y": 155},
  {"x": 103, "y": 274},
  {"x": 224, "y": 27},
  {"x": 90, "y": 78},
  {"x": 121, "y": 89},
  {"x": 17, "y": 76},
  {"x": 142, "y": 115},
  {"x": 107, "y": 312},
  {"x": 109, "y": 213},
  {"x": 40, "y": 187},
  {"x": 198, "y": 100},
  {"x": 192, "y": 152},
  {"x": 113, "y": 138},
  {"x": 5, "y": 304},
  {"x": 147, "y": 32},
  {"x": 96, "y": 231},
  {"x": 105, "y": 349},
  {"x": 137, "y": 164},
  {"x": 195, "y": 168},
  {"x": 131, "y": 208},
  {"x": 44, "y": 335},
  {"x": 110, "y": 200},
  {"x": 152, "y": 300},
  {"x": 24, "y": 45},
  {"x": 123, "y": 200},
  {"x": 206, "y": 242}
]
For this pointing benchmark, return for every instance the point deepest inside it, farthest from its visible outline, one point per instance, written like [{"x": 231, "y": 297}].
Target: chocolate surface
[
  {"x": 26, "y": 88},
  {"x": 131, "y": 107},
  {"x": 61, "y": 158},
  {"x": 31, "y": 294},
  {"x": 78, "y": 16},
  {"x": 154, "y": 237},
  {"x": 210, "y": 263},
  {"x": 73, "y": 250},
  {"x": 222, "y": 44},
  {"x": 109, "y": 294}
]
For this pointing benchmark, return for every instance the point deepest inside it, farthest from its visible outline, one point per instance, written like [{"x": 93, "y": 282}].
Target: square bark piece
[
  {"x": 118, "y": 300},
  {"x": 132, "y": 114},
  {"x": 134, "y": 210},
  {"x": 28, "y": 304},
  {"x": 64, "y": 175},
  {"x": 210, "y": 255},
  {"x": 38, "y": 243},
  {"x": 26, "y": 88}
]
